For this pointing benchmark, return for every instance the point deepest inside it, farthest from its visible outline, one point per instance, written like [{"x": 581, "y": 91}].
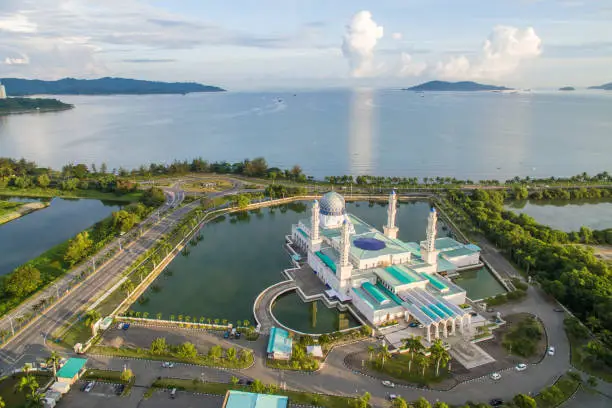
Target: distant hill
[
  {"x": 607, "y": 87},
  {"x": 455, "y": 86},
  {"x": 23, "y": 105},
  {"x": 567, "y": 88},
  {"x": 101, "y": 86}
]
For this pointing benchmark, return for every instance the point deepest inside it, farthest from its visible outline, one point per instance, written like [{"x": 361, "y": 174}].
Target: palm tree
[
  {"x": 439, "y": 354},
  {"x": 383, "y": 354},
  {"x": 27, "y": 382},
  {"x": 423, "y": 362},
  {"x": 34, "y": 400},
  {"x": 53, "y": 359},
  {"x": 127, "y": 287},
  {"x": 371, "y": 351},
  {"x": 91, "y": 318},
  {"x": 415, "y": 346},
  {"x": 2, "y": 404},
  {"x": 159, "y": 316}
]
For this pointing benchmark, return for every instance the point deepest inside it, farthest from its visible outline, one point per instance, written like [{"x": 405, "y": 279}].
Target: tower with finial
[
  {"x": 345, "y": 268},
  {"x": 390, "y": 229},
  {"x": 2, "y": 91},
  {"x": 315, "y": 237},
  {"x": 428, "y": 247}
]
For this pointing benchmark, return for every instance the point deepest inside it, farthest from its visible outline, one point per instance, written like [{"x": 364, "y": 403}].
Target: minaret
[
  {"x": 343, "y": 271},
  {"x": 315, "y": 239},
  {"x": 390, "y": 229},
  {"x": 428, "y": 247}
]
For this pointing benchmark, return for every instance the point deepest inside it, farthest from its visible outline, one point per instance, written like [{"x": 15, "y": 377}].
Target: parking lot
[
  {"x": 101, "y": 396},
  {"x": 161, "y": 399}
]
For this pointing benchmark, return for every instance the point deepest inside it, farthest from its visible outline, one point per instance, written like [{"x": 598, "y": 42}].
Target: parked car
[
  {"x": 249, "y": 382},
  {"x": 119, "y": 389},
  {"x": 521, "y": 367},
  {"x": 173, "y": 393},
  {"x": 413, "y": 324},
  {"x": 388, "y": 384},
  {"x": 490, "y": 310},
  {"x": 126, "y": 326},
  {"x": 496, "y": 402},
  {"x": 495, "y": 376},
  {"x": 551, "y": 351},
  {"x": 473, "y": 314},
  {"x": 238, "y": 335},
  {"x": 226, "y": 335},
  {"x": 167, "y": 364},
  {"x": 559, "y": 310},
  {"x": 89, "y": 386},
  {"x": 393, "y": 397}
]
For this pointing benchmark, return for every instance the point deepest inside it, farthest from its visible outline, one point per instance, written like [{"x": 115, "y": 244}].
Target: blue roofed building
[
  {"x": 280, "y": 344},
  {"x": 71, "y": 371},
  {"x": 242, "y": 399},
  {"x": 385, "y": 278}
]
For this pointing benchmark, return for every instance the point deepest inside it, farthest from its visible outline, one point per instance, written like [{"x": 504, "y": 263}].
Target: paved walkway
[{"x": 261, "y": 308}]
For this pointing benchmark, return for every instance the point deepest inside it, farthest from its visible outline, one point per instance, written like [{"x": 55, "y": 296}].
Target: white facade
[{"x": 2, "y": 92}]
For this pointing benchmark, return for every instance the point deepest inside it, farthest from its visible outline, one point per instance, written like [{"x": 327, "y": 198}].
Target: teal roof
[
  {"x": 326, "y": 260},
  {"x": 71, "y": 368},
  {"x": 461, "y": 251},
  {"x": 376, "y": 293},
  {"x": 445, "y": 243},
  {"x": 241, "y": 399},
  {"x": 473, "y": 247},
  {"x": 369, "y": 299},
  {"x": 438, "y": 284},
  {"x": 279, "y": 341},
  {"x": 301, "y": 231},
  {"x": 445, "y": 265},
  {"x": 402, "y": 275}
]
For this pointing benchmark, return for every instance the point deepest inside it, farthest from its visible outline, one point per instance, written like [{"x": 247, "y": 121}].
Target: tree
[
  {"x": 91, "y": 318},
  {"x": 23, "y": 281},
  {"x": 399, "y": 402},
  {"x": 245, "y": 355},
  {"x": 441, "y": 404},
  {"x": 34, "y": 400},
  {"x": 524, "y": 401},
  {"x": 159, "y": 346},
  {"x": 126, "y": 375},
  {"x": 421, "y": 403},
  {"x": 383, "y": 354},
  {"x": 371, "y": 351},
  {"x": 215, "y": 352},
  {"x": 231, "y": 354},
  {"x": 439, "y": 354},
  {"x": 242, "y": 201},
  {"x": 423, "y": 362},
  {"x": 415, "y": 346},
  {"x": 43, "y": 181},
  {"x": 127, "y": 286},
  {"x": 27, "y": 383},
  {"x": 362, "y": 402},
  {"x": 123, "y": 221},
  {"x": 187, "y": 350},
  {"x": 258, "y": 387},
  {"x": 78, "y": 248},
  {"x": 234, "y": 380},
  {"x": 54, "y": 360},
  {"x": 153, "y": 197}
]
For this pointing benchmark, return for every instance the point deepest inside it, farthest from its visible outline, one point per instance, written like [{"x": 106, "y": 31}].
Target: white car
[
  {"x": 495, "y": 376},
  {"x": 521, "y": 367},
  {"x": 89, "y": 386},
  {"x": 388, "y": 384},
  {"x": 393, "y": 397},
  {"x": 167, "y": 364},
  {"x": 551, "y": 351}
]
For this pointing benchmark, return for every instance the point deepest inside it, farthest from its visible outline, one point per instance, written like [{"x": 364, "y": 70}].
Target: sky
[{"x": 277, "y": 44}]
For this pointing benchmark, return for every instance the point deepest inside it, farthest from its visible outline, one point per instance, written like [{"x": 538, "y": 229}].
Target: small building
[
  {"x": 280, "y": 344},
  {"x": 60, "y": 387},
  {"x": 241, "y": 399},
  {"x": 315, "y": 351},
  {"x": 72, "y": 370},
  {"x": 106, "y": 323}
]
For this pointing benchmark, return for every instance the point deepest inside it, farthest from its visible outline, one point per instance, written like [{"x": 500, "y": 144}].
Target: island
[
  {"x": 464, "y": 86},
  {"x": 606, "y": 87},
  {"x": 567, "y": 88},
  {"x": 25, "y": 105},
  {"x": 101, "y": 86}
]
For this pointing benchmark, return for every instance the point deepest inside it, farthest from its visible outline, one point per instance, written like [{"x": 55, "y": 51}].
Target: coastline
[
  {"x": 25, "y": 209},
  {"x": 45, "y": 110}
]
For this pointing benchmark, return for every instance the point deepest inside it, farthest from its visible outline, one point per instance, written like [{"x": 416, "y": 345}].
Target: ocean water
[{"x": 381, "y": 132}]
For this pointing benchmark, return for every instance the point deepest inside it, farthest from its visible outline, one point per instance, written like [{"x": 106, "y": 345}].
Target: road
[{"x": 29, "y": 343}]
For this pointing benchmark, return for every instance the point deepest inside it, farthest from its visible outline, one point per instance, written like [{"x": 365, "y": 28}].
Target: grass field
[
  {"x": 295, "y": 398},
  {"x": 579, "y": 361},
  {"x": 554, "y": 395},
  {"x": 397, "y": 367},
  {"x": 14, "y": 399},
  {"x": 37, "y": 192}
]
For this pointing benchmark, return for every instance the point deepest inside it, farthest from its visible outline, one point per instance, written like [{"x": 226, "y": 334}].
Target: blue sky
[{"x": 246, "y": 44}]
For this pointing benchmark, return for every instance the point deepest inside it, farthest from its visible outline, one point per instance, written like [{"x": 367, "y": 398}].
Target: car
[
  {"x": 496, "y": 402},
  {"x": 238, "y": 335},
  {"x": 126, "y": 326},
  {"x": 167, "y": 364},
  {"x": 119, "y": 389},
  {"x": 559, "y": 310},
  {"x": 120, "y": 326},
  {"x": 521, "y": 367},
  {"x": 380, "y": 337},
  {"x": 89, "y": 386},
  {"x": 490, "y": 310},
  {"x": 249, "y": 382},
  {"x": 393, "y": 397},
  {"x": 413, "y": 324},
  {"x": 551, "y": 351},
  {"x": 241, "y": 381},
  {"x": 387, "y": 383},
  {"x": 226, "y": 335},
  {"x": 173, "y": 393},
  {"x": 473, "y": 314},
  {"x": 495, "y": 376}
]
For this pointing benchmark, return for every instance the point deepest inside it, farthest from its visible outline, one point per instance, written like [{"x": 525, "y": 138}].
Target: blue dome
[{"x": 332, "y": 203}]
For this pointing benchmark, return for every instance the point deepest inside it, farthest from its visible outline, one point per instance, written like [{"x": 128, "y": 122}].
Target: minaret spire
[
  {"x": 390, "y": 229},
  {"x": 315, "y": 238},
  {"x": 346, "y": 243},
  {"x": 428, "y": 247}
]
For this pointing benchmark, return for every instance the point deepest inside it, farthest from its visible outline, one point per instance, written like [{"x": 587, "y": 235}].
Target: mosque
[{"x": 384, "y": 278}]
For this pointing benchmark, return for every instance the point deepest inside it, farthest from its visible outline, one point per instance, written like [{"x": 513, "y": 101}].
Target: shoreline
[
  {"x": 19, "y": 112},
  {"x": 25, "y": 209}
]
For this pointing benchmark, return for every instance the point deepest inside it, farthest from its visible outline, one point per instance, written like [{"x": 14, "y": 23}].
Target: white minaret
[
  {"x": 2, "y": 91},
  {"x": 428, "y": 247},
  {"x": 390, "y": 229},
  {"x": 343, "y": 271},
  {"x": 315, "y": 238}
]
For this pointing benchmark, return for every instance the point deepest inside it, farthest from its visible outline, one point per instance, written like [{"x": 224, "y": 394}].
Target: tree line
[{"x": 571, "y": 273}]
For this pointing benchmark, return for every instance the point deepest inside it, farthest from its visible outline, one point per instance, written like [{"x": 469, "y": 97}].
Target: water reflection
[{"x": 362, "y": 137}]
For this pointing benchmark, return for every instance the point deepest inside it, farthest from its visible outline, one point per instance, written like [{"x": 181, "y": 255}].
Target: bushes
[
  {"x": 524, "y": 338},
  {"x": 505, "y": 297}
]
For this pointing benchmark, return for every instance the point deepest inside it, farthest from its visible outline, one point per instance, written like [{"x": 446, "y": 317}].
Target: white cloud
[
  {"x": 362, "y": 34},
  {"x": 502, "y": 53},
  {"x": 396, "y": 36},
  {"x": 17, "y": 23},
  {"x": 23, "y": 60},
  {"x": 409, "y": 67}
]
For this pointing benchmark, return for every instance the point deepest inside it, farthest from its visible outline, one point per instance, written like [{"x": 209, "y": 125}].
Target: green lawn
[
  {"x": 7, "y": 207},
  {"x": 14, "y": 399},
  {"x": 78, "y": 333},
  {"x": 37, "y": 192},
  {"x": 554, "y": 395},
  {"x": 397, "y": 367},
  {"x": 297, "y": 398},
  {"x": 104, "y": 375},
  {"x": 580, "y": 362}
]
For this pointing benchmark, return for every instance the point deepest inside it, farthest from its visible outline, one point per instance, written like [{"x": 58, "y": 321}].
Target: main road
[{"x": 29, "y": 343}]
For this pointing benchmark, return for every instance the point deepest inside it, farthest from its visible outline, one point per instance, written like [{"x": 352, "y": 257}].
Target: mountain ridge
[
  {"x": 467, "y": 86},
  {"x": 607, "y": 87}
]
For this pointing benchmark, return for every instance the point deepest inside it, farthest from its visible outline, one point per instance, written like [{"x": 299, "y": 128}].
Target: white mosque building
[{"x": 385, "y": 278}]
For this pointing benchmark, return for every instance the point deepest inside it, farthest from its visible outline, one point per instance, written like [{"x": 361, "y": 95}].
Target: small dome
[{"x": 332, "y": 203}]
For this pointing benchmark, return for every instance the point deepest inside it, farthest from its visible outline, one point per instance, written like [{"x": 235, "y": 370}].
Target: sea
[{"x": 473, "y": 135}]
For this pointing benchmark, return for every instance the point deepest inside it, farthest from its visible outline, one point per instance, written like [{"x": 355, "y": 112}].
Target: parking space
[
  {"x": 161, "y": 399},
  {"x": 102, "y": 395}
]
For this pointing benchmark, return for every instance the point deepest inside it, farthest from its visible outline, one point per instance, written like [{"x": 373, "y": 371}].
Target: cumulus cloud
[
  {"x": 362, "y": 34},
  {"x": 17, "y": 23},
  {"x": 502, "y": 53},
  {"x": 23, "y": 60},
  {"x": 409, "y": 67},
  {"x": 396, "y": 36}
]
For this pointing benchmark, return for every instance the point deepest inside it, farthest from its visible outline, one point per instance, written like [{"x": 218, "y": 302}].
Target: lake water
[
  {"x": 479, "y": 283},
  {"x": 29, "y": 236},
  {"x": 386, "y": 132},
  {"x": 243, "y": 254},
  {"x": 567, "y": 216}
]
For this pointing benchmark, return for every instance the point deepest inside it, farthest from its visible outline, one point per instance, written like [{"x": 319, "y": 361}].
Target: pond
[
  {"x": 312, "y": 317},
  {"x": 479, "y": 283},
  {"x": 568, "y": 217},
  {"x": 242, "y": 254},
  {"x": 29, "y": 236}
]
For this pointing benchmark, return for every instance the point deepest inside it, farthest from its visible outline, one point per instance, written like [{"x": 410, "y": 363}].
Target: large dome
[{"x": 332, "y": 203}]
